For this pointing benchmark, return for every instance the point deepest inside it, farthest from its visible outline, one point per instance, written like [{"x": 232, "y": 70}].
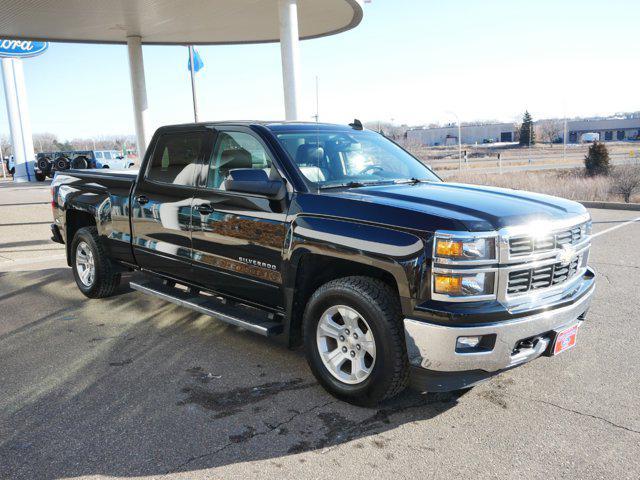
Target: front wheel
[
  {"x": 41, "y": 176},
  {"x": 92, "y": 269},
  {"x": 354, "y": 340}
]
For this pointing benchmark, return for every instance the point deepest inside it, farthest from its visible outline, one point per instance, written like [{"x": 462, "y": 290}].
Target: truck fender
[{"x": 400, "y": 253}]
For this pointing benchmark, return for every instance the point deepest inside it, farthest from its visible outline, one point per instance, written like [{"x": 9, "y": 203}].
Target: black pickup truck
[{"x": 335, "y": 238}]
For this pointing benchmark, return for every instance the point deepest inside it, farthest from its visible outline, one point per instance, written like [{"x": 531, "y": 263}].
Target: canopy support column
[
  {"x": 138, "y": 92},
  {"x": 289, "y": 50},
  {"x": 19, "y": 121}
]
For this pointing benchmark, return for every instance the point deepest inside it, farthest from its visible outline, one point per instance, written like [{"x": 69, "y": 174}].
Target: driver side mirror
[{"x": 254, "y": 181}]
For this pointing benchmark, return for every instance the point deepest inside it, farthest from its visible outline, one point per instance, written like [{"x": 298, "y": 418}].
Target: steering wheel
[{"x": 373, "y": 168}]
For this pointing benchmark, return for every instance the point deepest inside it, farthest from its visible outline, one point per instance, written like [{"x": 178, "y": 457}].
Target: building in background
[
  {"x": 471, "y": 134},
  {"x": 606, "y": 130}
]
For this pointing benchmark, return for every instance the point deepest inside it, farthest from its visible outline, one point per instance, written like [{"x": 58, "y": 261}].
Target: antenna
[
  {"x": 356, "y": 125},
  {"x": 317, "y": 115}
]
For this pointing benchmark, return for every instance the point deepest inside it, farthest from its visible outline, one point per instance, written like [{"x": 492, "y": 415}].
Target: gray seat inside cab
[
  {"x": 229, "y": 160},
  {"x": 310, "y": 159}
]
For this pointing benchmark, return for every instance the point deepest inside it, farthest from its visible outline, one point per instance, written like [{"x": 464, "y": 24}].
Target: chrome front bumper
[{"x": 433, "y": 347}]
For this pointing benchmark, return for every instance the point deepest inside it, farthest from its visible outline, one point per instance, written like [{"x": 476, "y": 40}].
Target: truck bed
[{"x": 118, "y": 175}]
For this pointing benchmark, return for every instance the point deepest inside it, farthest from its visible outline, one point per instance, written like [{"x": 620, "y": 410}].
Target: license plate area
[{"x": 564, "y": 339}]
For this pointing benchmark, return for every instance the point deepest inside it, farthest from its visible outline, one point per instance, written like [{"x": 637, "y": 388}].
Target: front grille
[
  {"x": 526, "y": 280},
  {"x": 527, "y": 245}
]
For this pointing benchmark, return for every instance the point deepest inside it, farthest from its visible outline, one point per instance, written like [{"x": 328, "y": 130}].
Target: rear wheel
[
  {"x": 41, "y": 176},
  {"x": 62, "y": 163},
  {"x": 93, "y": 271},
  {"x": 80, "y": 163},
  {"x": 354, "y": 340},
  {"x": 44, "y": 164}
]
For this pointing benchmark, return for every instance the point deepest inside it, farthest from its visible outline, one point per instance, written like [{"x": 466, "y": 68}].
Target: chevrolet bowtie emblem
[{"x": 566, "y": 254}]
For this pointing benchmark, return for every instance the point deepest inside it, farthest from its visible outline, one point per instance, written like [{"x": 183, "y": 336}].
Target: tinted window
[
  {"x": 175, "y": 158},
  {"x": 236, "y": 150},
  {"x": 98, "y": 154},
  {"x": 107, "y": 155},
  {"x": 335, "y": 158}
]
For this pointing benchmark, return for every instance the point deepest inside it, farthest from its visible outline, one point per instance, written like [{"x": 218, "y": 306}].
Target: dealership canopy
[{"x": 181, "y": 22}]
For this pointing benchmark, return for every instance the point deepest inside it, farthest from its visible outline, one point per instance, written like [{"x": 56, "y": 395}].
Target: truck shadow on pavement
[{"x": 132, "y": 386}]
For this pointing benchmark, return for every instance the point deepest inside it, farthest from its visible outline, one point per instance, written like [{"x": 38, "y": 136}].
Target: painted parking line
[
  {"x": 615, "y": 227},
  {"x": 27, "y": 261}
]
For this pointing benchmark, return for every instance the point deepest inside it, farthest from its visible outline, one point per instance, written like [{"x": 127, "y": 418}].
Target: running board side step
[{"x": 242, "y": 316}]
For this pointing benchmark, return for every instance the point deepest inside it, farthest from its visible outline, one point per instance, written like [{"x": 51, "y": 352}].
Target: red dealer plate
[{"x": 565, "y": 340}]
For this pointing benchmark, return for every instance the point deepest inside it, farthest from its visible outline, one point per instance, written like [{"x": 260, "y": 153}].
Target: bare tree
[
  {"x": 5, "y": 145},
  {"x": 44, "y": 142},
  {"x": 550, "y": 130},
  {"x": 626, "y": 181}
]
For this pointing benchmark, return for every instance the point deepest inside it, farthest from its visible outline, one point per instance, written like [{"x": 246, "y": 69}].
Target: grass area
[{"x": 572, "y": 184}]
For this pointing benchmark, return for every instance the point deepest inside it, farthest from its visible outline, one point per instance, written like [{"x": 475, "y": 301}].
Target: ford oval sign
[{"x": 22, "y": 48}]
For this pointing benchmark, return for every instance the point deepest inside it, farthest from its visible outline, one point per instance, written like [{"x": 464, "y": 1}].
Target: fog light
[{"x": 466, "y": 343}]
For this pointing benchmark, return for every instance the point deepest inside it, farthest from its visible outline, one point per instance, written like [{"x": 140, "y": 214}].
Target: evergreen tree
[
  {"x": 527, "y": 133},
  {"x": 597, "y": 160}
]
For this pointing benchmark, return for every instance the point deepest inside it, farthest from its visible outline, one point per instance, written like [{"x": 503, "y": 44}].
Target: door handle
[
  {"x": 205, "y": 209},
  {"x": 142, "y": 199}
]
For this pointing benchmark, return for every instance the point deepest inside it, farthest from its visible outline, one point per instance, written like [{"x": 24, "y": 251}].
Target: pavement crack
[
  {"x": 578, "y": 412},
  {"x": 615, "y": 265},
  {"x": 250, "y": 436}
]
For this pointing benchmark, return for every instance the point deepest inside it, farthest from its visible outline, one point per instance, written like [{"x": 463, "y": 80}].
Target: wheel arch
[
  {"x": 74, "y": 221},
  {"x": 321, "y": 250}
]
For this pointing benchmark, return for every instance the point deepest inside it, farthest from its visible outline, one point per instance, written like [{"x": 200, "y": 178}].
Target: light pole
[
  {"x": 564, "y": 141},
  {"x": 459, "y": 138}
]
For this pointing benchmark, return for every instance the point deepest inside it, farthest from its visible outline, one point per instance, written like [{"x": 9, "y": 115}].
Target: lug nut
[
  {"x": 344, "y": 349},
  {"x": 353, "y": 354},
  {"x": 346, "y": 331},
  {"x": 355, "y": 335},
  {"x": 342, "y": 338},
  {"x": 358, "y": 347}
]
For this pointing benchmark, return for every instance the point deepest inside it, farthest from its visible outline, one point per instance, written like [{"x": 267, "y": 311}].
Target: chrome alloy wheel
[
  {"x": 85, "y": 265},
  {"x": 346, "y": 344}
]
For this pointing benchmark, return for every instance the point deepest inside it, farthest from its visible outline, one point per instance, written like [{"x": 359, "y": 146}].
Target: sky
[{"x": 409, "y": 61}]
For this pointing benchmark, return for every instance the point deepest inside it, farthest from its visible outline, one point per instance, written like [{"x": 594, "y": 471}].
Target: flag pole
[{"x": 193, "y": 84}]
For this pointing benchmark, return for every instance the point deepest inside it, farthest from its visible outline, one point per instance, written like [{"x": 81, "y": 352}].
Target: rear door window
[{"x": 176, "y": 159}]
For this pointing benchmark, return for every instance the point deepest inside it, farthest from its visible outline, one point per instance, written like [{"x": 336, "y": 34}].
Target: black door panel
[
  {"x": 162, "y": 203},
  {"x": 237, "y": 247}
]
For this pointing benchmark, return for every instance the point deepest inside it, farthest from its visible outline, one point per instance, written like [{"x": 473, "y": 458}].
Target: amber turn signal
[
  {"x": 448, "y": 285},
  {"x": 449, "y": 248}
]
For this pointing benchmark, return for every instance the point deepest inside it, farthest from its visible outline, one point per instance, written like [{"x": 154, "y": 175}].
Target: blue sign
[{"x": 22, "y": 48}]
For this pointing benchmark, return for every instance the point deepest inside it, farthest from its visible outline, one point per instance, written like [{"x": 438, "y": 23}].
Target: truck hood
[{"x": 478, "y": 208}]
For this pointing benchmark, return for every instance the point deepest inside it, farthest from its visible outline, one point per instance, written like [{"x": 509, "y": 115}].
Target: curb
[{"x": 612, "y": 205}]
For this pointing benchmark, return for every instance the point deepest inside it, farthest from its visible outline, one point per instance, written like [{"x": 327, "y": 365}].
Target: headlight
[
  {"x": 464, "y": 285},
  {"x": 465, "y": 248}
]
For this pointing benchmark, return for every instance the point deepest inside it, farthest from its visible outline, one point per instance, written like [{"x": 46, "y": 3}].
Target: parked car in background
[
  {"x": 48, "y": 163},
  {"x": 11, "y": 168}
]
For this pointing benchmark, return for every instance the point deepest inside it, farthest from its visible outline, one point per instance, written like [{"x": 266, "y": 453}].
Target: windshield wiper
[
  {"x": 353, "y": 184},
  {"x": 343, "y": 185},
  {"x": 410, "y": 181}
]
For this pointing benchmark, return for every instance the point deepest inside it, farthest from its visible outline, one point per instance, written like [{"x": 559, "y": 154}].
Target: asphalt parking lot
[{"x": 131, "y": 387}]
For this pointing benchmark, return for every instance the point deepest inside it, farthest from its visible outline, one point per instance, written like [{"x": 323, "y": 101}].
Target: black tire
[
  {"x": 12, "y": 171},
  {"x": 44, "y": 164},
  {"x": 80, "y": 163},
  {"x": 62, "y": 163},
  {"x": 379, "y": 305},
  {"x": 106, "y": 279},
  {"x": 41, "y": 176}
]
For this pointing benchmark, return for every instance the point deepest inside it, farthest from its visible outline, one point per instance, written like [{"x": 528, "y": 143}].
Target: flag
[{"x": 197, "y": 61}]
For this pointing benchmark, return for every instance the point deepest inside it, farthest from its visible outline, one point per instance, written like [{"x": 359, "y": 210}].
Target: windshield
[{"x": 357, "y": 158}]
